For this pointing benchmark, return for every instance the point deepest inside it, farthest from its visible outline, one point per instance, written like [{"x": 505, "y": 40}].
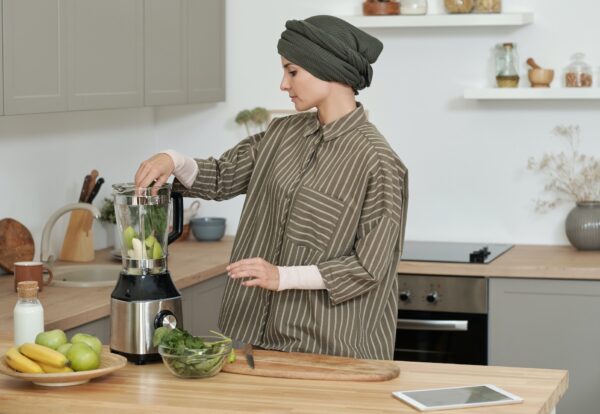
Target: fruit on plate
[
  {"x": 82, "y": 357},
  {"x": 21, "y": 363},
  {"x": 43, "y": 354},
  {"x": 63, "y": 349},
  {"x": 52, "y": 339},
  {"x": 49, "y": 369},
  {"x": 89, "y": 340}
]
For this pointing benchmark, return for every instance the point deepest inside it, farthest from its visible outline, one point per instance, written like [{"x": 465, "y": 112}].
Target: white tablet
[{"x": 457, "y": 397}]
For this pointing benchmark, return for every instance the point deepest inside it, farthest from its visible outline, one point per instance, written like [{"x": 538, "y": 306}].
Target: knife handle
[
  {"x": 91, "y": 184},
  {"x": 95, "y": 190},
  {"x": 84, "y": 188}
]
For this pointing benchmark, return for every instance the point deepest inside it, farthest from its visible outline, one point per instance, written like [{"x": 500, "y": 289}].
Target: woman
[{"x": 313, "y": 267}]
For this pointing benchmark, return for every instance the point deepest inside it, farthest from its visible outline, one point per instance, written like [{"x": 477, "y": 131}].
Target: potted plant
[
  {"x": 573, "y": 177},
  {"x": 107, "y": 215},
  {"x": 258, "y": 117}
]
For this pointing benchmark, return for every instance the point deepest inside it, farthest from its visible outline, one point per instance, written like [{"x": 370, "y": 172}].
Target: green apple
[
  {"x": 157, "y": 251},
  {"x": 64, "y": 348},
  {"x": 89, "y": 340},
  {"x": 51, "y": 339},
  {"x": 82, "y": 357},
  {"x": 128, "y": 234},
  {"x": 150, "y": 240}
]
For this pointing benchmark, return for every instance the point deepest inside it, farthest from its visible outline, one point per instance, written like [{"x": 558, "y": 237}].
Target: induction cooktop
[{"x": 453, "y": 252}]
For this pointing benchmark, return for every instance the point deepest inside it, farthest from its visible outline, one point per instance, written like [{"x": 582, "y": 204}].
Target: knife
[
  {"x": 248, "y": 353},
  {"x": 91, "y": 184},
  {"x": 84, "y": 188},
  {"x": 95, "y": 190}
]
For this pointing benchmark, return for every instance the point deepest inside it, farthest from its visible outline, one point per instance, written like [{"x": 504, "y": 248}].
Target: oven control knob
[
  {"x": 405, "y": 295},
  {"x": 432, "y": 297}
]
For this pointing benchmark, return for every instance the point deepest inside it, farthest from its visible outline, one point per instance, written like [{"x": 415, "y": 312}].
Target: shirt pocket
[{"x": 314, "y": 218}]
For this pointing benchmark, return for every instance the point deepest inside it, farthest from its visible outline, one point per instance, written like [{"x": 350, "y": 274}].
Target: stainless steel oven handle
[{"x": 433, "y": 325}]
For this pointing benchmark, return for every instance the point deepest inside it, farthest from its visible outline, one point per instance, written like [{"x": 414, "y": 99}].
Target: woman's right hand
[{"x": 157, "y": 169}]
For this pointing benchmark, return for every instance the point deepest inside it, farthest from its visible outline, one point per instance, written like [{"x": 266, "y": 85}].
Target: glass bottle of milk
[{"x": 28, "y": 314}]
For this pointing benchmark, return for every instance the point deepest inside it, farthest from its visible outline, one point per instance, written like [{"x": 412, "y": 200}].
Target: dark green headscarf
[{"x": 331, "y": 49}]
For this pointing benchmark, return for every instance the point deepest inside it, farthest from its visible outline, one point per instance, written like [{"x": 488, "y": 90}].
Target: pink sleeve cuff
[
  {"x": 300, "y": 277},
  {"x": 186, "y": 169}
]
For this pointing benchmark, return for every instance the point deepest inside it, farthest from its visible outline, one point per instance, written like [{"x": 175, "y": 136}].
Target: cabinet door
[
  {"x": 105, "y": 48},
  {"x": 201, "y": 305},
  {"x": 206, "y": 49},
  {"x": 34, "y": 56},
  {"x": 549, "y": 324},
  {"x": 165, "y": 42}
]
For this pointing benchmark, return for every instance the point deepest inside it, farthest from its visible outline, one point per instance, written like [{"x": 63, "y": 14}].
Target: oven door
[{"x": 458, "y": 338}]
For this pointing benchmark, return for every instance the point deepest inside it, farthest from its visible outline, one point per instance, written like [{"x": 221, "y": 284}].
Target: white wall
[{"x": 466, "y": 159}]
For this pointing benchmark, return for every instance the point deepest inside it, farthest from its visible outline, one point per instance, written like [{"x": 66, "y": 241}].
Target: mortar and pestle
[{"x": 538, "y": 76}]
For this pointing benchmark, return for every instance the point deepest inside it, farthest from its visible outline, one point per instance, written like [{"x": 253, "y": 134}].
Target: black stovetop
[{"x": 453, "y": 252}]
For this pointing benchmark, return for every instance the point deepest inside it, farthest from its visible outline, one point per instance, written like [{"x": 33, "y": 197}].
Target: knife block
[{"x": 78, "y": 244}]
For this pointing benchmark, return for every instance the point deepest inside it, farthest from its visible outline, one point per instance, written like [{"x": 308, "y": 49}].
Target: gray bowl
[{"x": 208, "y": 228}]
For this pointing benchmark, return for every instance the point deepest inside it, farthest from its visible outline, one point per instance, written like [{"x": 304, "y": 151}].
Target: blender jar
[{"x": 143, "y": 216}]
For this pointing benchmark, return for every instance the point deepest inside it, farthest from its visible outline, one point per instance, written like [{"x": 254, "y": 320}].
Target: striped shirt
[{"x": 329, "y": 195}]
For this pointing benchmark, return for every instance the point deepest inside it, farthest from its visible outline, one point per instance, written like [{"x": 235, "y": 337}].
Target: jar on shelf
[
  {"x": 488, "y": 6},
  {"x": 413, "y": 7},
  {"x": 458, "y": 6},
  {"x": 578, "y": 74},
  {"x": 507, "y": 75}
]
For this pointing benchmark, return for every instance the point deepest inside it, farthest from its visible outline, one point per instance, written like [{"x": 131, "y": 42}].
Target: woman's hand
[
  {"x": 262, "y": 273},
  {"x": 156, "y": 169}
]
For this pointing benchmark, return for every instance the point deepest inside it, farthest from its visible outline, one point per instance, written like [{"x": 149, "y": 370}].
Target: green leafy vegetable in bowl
[{"x": 189, "y": 356}]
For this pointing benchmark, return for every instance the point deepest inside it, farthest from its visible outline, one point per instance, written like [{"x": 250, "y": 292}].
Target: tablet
[{"x": 457, "y": 397}]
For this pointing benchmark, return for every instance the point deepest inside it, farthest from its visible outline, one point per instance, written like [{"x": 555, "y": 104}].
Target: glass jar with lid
[
  {"x": 578, "y": 74},
  {"x": 488, "y": 6},
  {"x": 458, "y": 6},
  {"x": 507, "y": 75},
  {"x": 413, "y": 7}
]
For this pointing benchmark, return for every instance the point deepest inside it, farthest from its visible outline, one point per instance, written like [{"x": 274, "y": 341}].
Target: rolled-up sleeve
[
  {"x": 226, "y": 177},
  {"x": 379, "y": 237}
]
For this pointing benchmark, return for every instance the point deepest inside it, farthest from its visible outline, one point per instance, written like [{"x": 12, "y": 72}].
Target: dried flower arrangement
[
  {"x": 258, "y": 117},
  {"x": 572, "y": 176}
]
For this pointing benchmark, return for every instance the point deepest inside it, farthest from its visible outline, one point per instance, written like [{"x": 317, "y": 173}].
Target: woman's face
[{"x": 305, "y": 90}]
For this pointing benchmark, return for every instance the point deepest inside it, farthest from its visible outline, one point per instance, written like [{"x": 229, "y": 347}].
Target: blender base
[{"x": 138, "y": 359}]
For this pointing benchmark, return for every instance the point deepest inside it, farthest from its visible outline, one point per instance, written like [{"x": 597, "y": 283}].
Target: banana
[
  {"x": 21, "y": 363},
  {"x": 40, "y": 353},
  {"x": 49, "y": 369}
]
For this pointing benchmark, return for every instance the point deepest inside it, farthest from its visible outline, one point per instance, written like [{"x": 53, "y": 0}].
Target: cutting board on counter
[
  {"x": 16, "y": 244},
  {"x": 312, "y": 366}
]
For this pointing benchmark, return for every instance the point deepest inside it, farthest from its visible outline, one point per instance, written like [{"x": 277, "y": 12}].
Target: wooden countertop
[
  {"x": 191, "y": 262},
  {"x": 151, "y": 388},
  {"x": 522, "y": 261}
]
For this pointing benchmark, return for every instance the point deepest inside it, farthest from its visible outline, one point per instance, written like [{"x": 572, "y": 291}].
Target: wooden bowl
[
  {"x": 541, "y": 78},
  {"x": 380, "y": 8}
]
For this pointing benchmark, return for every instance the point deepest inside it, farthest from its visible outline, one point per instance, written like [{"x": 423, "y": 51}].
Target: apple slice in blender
[{"x": 138, "y": 249}]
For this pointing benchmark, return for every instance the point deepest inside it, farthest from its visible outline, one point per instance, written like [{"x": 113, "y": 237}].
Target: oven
[{"x": 442, "y": 319}]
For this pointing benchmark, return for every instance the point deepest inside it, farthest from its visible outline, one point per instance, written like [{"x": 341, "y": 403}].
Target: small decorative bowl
[
  {"x": 541, "y": 78},
  {"x": 196, "y": 363},
  {"x": 208, "y": 228}
]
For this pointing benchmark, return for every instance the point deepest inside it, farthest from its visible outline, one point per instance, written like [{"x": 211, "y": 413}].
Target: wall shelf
[
  {"x": 442, "y": 20},
  {"x": 532, "y": 93}
]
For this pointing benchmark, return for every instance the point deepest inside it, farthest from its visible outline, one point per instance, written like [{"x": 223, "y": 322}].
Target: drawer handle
[{"x": 432, "y": 325}]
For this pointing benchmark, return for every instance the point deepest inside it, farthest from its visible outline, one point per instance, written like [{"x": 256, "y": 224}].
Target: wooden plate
[
  {"x": 16, "y": 244},
  {"x": 109, "y": 362}
]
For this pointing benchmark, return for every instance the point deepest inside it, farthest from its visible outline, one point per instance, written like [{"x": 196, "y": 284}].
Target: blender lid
[{"x": 128, "y": 193}]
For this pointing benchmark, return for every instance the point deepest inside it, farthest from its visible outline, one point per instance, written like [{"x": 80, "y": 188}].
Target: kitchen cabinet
[
  {"x": 541, "y": 323},
  {"x": 184, "y": 51},
  {"x": 201, "y": 305}
]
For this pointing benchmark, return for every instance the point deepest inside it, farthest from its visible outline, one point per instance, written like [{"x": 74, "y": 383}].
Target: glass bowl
[{"x": 196, "y": 363}]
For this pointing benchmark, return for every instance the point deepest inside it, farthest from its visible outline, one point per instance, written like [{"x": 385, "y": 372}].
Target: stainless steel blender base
[{"x": 132, "y": 325}]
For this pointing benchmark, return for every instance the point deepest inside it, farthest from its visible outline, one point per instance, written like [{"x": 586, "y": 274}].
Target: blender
[{"x": 145, "y": 297}]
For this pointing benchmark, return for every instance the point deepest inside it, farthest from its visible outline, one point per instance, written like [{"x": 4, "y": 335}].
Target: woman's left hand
[{"x": 262, "y": 273}]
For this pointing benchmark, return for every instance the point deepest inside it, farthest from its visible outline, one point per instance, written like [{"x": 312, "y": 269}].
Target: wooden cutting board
[
  {"x": 312, "y": 366},
  {"x": 16, "y": 244}
]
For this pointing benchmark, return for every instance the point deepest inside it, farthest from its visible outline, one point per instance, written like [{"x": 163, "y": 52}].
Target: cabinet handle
[{"x": 432, "y": 325}]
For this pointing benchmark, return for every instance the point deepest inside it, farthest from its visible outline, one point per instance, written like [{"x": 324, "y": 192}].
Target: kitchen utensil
[
  {"x": 208, "y": 228},
  {"x": 249, "y": 354},
  {"x": 16, "y": 244},
  {"x": 92, "y": 183},
  {"x": 532, "y": 63},
  {"x": 145, "y": 297},
  {"x": 95, "y": 190},
  {"x": 109, "y": 362},
  {"x": 84, "y": 188},
  {"x": 26, "y": 271},
  {"x": 540, "y": 78},
  {"x": 312, "y": 366}
]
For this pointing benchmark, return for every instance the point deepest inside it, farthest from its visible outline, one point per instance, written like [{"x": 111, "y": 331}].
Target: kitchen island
[{"x": 153, "y": 389}]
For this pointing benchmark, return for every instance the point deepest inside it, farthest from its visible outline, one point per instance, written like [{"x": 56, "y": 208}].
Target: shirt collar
[{"x": 336, "y": 128}]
